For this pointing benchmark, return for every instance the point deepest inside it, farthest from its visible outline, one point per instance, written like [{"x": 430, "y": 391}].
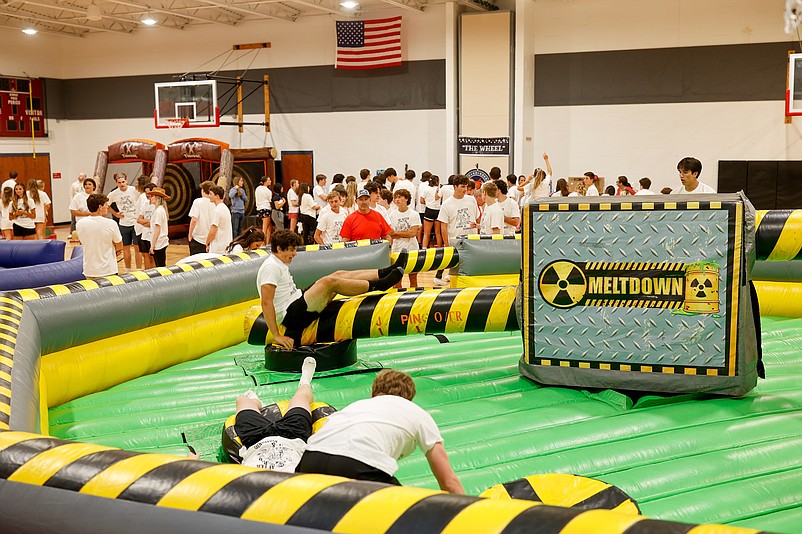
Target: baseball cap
[{"x": 362, "y": 193}]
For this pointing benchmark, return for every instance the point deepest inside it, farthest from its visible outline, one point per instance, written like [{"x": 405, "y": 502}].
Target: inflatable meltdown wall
[{"x": 640, "y": 295}]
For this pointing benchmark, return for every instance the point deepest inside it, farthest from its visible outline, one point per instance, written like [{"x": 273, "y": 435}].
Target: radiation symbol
[
  {"x": 701, "y": 287},
  {"x": 562, "y": 284}
]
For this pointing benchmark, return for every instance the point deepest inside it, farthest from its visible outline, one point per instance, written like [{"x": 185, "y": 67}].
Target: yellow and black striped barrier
[
  {"x": 778, "y": 235},
  {"x": 10, "y": 315},
  {"x": 398, "y": 313},
  {"x": 313, "y": 501}
]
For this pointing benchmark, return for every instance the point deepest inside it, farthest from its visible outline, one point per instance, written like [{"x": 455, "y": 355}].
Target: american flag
[{"x": 369, "y": 44}]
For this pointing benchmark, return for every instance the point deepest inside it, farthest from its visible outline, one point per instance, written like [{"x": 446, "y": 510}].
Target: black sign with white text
[{"x": 483, "y": 146}]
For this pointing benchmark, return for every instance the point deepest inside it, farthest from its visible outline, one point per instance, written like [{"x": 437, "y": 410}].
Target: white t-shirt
[
  {"x": 401, "y": 222},
  {"x": 543, "y": 190},
  {"x": 429, "y": 196},
  {"x": 23, "y": 221},
  {"x": 76, "y": 187},
  {"x": 78, "y": 203},
  {"x": 201, "y": 210},
  {"x": 274, "y": 453},
  {"x": 382, "y": 210},
  {"x": 513, "y": 193},
  {"x": 98, "y": 235},
  {"x": 377, "y": 431},
  {"x": 12, "y": 184},
  {"x": 263, "y": 197},
  {"x": 44, "y": 200},
  {"x": 592, "y": 191},
  {"x": 142, "y": 204},
  {"x": 492, "y": 217},
  {"x": 330, "y": 224},
  {"x": 292, "y": 196},
  {"x": 317, "y": 192},
  {"x": 458, "y": 214},
  {"x": 5, "y": 222},
  {"x": 510, "y": 209},
  {"x": 446, "y": 192},
  {"x": 645, "y": 192},
  {"x": 221, "y": 218},
  {"x": 700, "y": 189},
  {"x": 409, "y": 186},
  {"x": 275, "y": 272},
  {"x": 306, "y": 205},
  {"x": 126, "y": 204},
  {"x": 159, "y": 218},
  {"x": 422, "y": 188}
]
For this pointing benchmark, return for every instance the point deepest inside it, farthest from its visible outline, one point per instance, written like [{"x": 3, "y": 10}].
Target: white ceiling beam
[
  {"x": 401, "y": 4},
  {"x": 317, "y": 6},
  {"x": 232, "y": 7},
  {"x": 81, "y": 12},
  {"x": 58, "y": 22},
  {"x": 472, "y": 5},
  {"x": 41, "y": 30},
  {"x": 146, "y": 9}
]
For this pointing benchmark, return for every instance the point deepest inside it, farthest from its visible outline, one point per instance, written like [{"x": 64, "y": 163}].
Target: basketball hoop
[{"x": 175, "y": 126}]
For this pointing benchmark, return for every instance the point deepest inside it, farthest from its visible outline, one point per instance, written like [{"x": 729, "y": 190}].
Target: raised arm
[
  {"x": 441, "y": 469},
  {"x": 548, "y": 164}
]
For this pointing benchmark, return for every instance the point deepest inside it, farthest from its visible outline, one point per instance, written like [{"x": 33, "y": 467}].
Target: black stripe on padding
[
  {"x": 5, "y": 369},
  {"x": 153, "y": 485},
  {"x": 521, "y": 489},
  {"x": 363, "y": 317},
  {"x": 439, "y": 310},
  {"x": 239, "y": 494},
  {"x": 480, "y": 307},
  {"x": 75, "y": 475},
  {"x": 546, "y": 519},
  {"x": 431, "y": 514},
  {"x": 327, "y": 508},
  {"x": 768, "y": 233},
  {"x": 400, "y": 314},
  {"x": 4, "y": 399},
  {"x": 654, "y": 526},
  {"x": 14, "y": 456},
  {"x": 441, "y": 338},
  {"x": 328, "y": 321},
  {"x": 606, "y": 499}
]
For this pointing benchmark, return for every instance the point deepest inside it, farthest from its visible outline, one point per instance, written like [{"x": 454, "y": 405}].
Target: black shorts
[
  {"x": 252, "y": 427},
  {"x": 263, "y": 214},
  {"x": 127, "y": 233},
  {"x": 430, "y": 214},
  {"x": 332, "y": 464},
  {"x": 144, "y": 246},
  {"x": 19, "y": 231},
  {"x": 297, "y": 318}
]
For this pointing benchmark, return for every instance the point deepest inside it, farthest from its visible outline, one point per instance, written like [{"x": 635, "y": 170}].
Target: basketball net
[{"x": 175, "y": 126}]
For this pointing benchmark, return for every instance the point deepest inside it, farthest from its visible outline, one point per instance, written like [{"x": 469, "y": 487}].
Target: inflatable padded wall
[{"x": 633, "y": 294}]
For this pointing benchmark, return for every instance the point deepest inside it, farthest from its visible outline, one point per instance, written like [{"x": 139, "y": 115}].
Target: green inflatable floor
[{"x": 683, "y": 458}]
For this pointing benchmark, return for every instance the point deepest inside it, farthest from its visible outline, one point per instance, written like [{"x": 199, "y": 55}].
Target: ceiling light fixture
[
  {"x": 29, "y": 31},
  {"x": 349, "y": 4},
  {"x": 93, "y": 12},
  {"x": 148, "y": 19}
]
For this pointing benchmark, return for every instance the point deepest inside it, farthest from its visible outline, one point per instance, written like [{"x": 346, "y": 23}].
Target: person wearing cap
[
  {"x": 100, "y": 238},
  {"x": 158, "y": 226},
  {"x": 220, "y": 234},
  {"x": 364, "y": 223}
]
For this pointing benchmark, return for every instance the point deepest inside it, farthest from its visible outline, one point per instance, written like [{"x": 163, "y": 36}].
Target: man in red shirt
[{"x": 364, "y": 223}]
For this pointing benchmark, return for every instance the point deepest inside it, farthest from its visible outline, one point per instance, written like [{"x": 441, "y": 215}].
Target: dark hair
[
  {"x": 250, "y": 235},
  {"x": 690, "y": 164},
  {"x": 495, "y": 173},
  {"x": 502, "y": 186},
  {"x": 338, "y": 178},
  {"x": 425, "y": 175},
  {"x": 409, "y": 175},
  {"x": 372, "y": 187},
  {"x": 278, "y": 188},
  {"x": 666, "y": 191},
  {"x": 562, "y": 187},
  {"x": 303, "y": 189},
  {"x": 95, "y": 201},
  {"x": 364, "y": 173},
  {"x": 389, "y": 171},
  {"x": 434, "y": 180},
  {"x": 349, "y": 179},
  {"x": 461, "y": 179},
  {"x": 379, "y": 179},
  {"x": 592, "y": 175},
  {"x": 320, "y": 177},
  {"x": 284, "y": 239},
  {"x": 403, "y": 193},
  {"x": 645, "y": 183},
  {"x": 392, "y": 382},
  {"x": 218, "y": 190},
  {"x": 511, "y": 178},
  {"x": 624, "y": 181},
  {"x": 387, "y": 195},
  {"x": 90, "y": 180},
  {"x": 610, "y": 190},
  {"x": 12, "y": 175},
  {"x": 264, "y": 179}
]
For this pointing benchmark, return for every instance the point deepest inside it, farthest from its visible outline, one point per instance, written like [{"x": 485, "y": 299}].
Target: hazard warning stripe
[
  {"x": 643, "y": 368},
  {"x": 430, "y": 259},
  {"x": 779, "y": 235}
]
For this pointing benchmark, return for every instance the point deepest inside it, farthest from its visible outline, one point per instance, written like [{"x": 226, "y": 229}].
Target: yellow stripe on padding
[
  {"x": 488, "y": 515},
  {"x": 279, "y": 503},
  {"x": 380, "y": 322},
  {"x": 461, "y": 306},
  {"x": 500, "y": 310},
  {"x": 197, "y": 488},
  {"x": 7, "y": 439},
  {"x": 115, "y": 479},
  {"x": 378, "y": 511},
  {"x": 600, "y": 521},
  {"x": 720, "y": 529},
  {"x": 344, "y": 325},
  {"x": 41, "y": 467},
  {"x": 788, "y": 244}
]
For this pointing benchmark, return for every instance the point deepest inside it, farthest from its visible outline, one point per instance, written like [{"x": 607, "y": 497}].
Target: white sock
[
  {"x": 307, "y": 370},
  {"x": 251, "y": 394}
]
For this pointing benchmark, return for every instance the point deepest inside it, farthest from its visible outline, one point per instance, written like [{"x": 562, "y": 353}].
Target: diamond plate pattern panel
[{"x": 645, "y": 336}]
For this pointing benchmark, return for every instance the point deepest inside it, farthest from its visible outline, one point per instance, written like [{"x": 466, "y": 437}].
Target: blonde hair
[
  {"x": 540, "y": 175},
  {"x": 350, "y": 190},
  {"x": 33, "y": 187},
  {"x": 8, "y": 196}
]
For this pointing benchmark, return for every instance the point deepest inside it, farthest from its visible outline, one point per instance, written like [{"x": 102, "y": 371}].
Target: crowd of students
[{"x": 23, "y": 208}]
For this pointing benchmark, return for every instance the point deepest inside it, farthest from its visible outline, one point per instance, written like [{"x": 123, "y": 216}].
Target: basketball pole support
[{"x": 788, "y": 118}]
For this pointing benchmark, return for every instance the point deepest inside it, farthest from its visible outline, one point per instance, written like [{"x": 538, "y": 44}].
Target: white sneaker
[
  {"x": 440, "y": 282},
  {"x": 250, "y": 394},
  {"x": 447, "y": 278}
]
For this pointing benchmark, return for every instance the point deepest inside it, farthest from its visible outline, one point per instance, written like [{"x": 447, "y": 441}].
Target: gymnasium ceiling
[{"x": 83, "y": 18}]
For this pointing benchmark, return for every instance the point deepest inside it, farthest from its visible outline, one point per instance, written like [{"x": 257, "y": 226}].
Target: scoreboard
[{"x": 22, "y": 107}]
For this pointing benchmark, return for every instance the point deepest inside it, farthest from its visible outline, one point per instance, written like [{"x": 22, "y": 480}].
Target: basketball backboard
[
  {"x": 195, "y": 102},
  {"x": 793, "y": 100}
]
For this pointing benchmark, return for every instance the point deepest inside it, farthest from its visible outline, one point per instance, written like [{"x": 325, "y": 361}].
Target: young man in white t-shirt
[
  {"x": 100, "y": 238},
  {"x": 320, "y": 193},
  {"x": 492, "y": 217},
  {"x": 78, "y": 207},
  {"x": 406, "y": 225},
  {"x": 458, "y": 217},
  {"x": 278, "y": 445},
  {"x": 510, "y": 209},
  {"x": 366, "y": 439},
  {"x": 689, "y": 171},
  {"x": 330, "y": 222},
  {"x": 200, "y": 219},
  {"x": 404, "y": 182},
  {"x": 125, "y": 199},
  {"x": 220, "y": 228},
  {"x": 284, "y": 304}
]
